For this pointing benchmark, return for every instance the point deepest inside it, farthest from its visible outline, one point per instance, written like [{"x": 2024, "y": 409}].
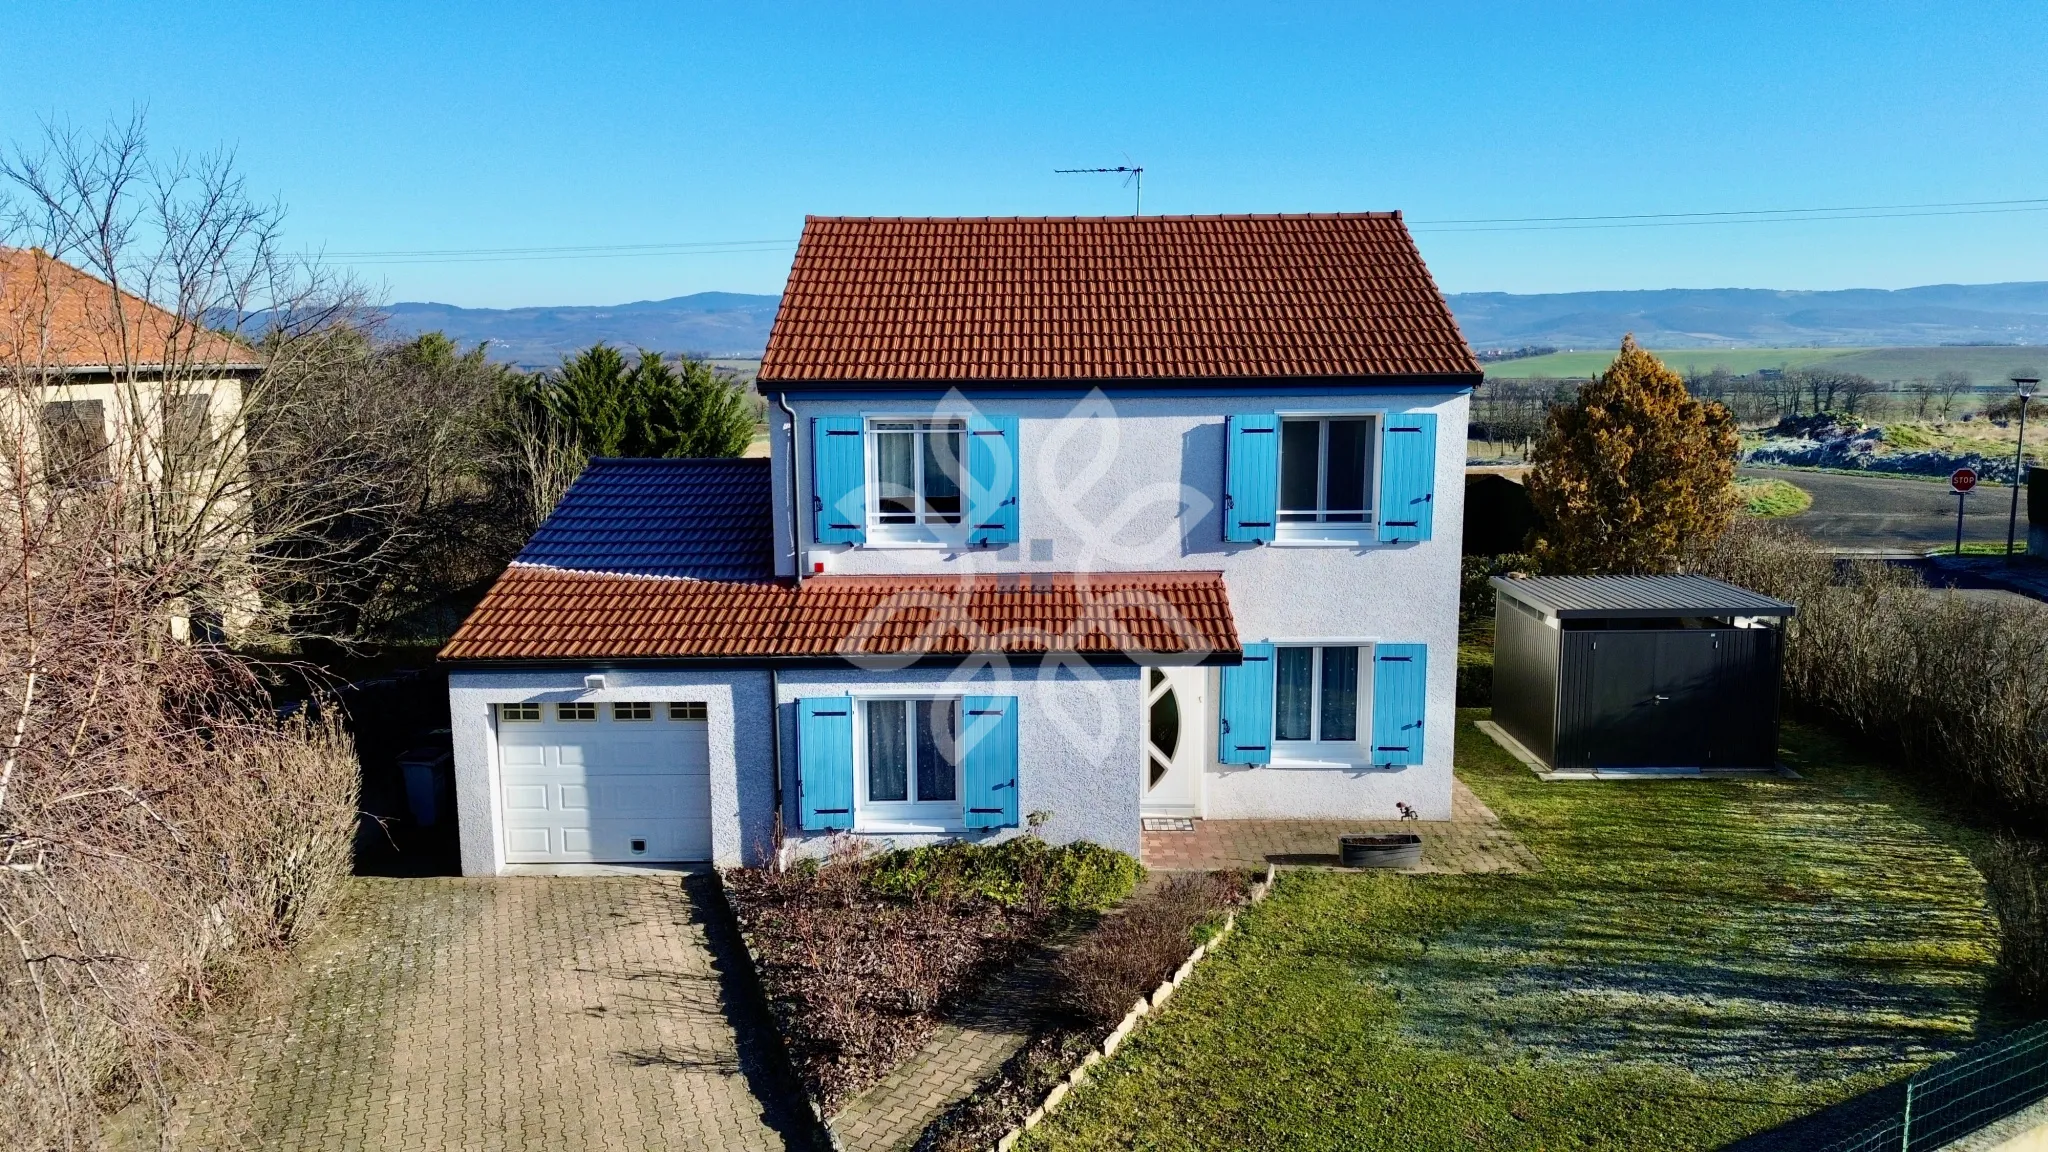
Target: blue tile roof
[{"x": 700, "y": 519}]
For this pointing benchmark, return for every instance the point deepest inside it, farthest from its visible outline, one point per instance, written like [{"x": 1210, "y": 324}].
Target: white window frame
[
  {"x": 1317, "y": 750},
  {"x": 1315, "y": 533},
  {"x": 906, "y": 816},
  {"x": 925, "y": 532},
  {"x": 562, "y": 712},
  {"x": 514, "y": 712}
]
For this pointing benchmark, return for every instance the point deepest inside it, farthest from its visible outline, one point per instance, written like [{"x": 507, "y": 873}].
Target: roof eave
[{"x": 1434, "y": 380}]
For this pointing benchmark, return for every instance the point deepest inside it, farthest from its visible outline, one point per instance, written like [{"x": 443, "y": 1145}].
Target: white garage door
[{"x": 611, "y": 783}]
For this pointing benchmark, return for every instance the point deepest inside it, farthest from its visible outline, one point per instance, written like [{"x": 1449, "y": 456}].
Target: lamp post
[{"x": 2026, "y": 383}]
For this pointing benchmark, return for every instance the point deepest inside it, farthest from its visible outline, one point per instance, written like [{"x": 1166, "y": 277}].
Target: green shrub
[{"x": 1023, "y": 870}]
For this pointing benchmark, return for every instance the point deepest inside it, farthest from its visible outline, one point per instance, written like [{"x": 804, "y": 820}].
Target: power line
[
  {"x": 1736, "y": 216},
  {"x": 569, "y": 252}
]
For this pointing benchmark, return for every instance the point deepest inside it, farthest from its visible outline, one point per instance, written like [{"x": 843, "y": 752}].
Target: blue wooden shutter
[
  {"x": 839, "y": 480},
  {"x": 992, "y": 466},
  {"x": 1407, "y": 477},
  {"x": 1251, "y": 483},
  {"x": 824, "y": 752},
  {"x": 1245, "y": 721},
  {"x": 988, "y": 734},
  {"x": 1400, "y": 702}
]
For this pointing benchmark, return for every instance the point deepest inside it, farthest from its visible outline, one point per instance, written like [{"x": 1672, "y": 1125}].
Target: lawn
[{"x": 1696, "y": 961}]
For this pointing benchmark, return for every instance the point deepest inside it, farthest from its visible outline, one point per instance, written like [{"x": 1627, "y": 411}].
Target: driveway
[
  {"x": 515, "y": 1013},
  {"x": 1880, "y": 515}
]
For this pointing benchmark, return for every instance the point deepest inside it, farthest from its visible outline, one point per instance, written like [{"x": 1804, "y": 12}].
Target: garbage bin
[{"x": 429, "y": 783}]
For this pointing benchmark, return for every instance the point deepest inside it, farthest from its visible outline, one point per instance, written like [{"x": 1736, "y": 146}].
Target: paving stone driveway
[{"x": 512, "y": 1013}]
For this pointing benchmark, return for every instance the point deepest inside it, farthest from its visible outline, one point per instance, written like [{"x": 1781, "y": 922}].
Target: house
[
  {"x": 106, "y": 387},
  {"x": 1068, "y": 523}
]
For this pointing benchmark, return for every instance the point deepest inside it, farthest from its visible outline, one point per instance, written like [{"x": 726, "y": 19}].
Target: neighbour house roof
[
  {"x": 55, "y": 317},
  {"x": 1134, "y": 299},
  {"x": 700, "y": 519},
  {"x": 1637, "y": 597},
  {"x": 542, "y": 614}
]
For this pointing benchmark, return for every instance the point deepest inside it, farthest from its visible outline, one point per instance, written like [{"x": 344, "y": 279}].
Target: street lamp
[{"x": 2026, "y": 383}]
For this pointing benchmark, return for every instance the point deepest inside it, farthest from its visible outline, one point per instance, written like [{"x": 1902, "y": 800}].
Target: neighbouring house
[
  {"x": 114, "y": 388},
  {"x": 1069, "y": 523}
]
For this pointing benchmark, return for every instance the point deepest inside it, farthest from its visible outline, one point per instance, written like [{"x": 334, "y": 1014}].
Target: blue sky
[{"x": 444, "y": 125}]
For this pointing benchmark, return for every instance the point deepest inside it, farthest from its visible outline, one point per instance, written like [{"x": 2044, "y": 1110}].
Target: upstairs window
[
  {"x": 1326, "y": 469},
  {"x": 918, "y": 474},
  {"x": 74, "y": 442},
  {"x": 188, "y": 430}
]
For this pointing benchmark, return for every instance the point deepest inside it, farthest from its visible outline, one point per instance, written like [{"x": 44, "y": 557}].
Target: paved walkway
[
  {"x": 965, "y": 1050},
  {"x": 509, "y": 1014},
  {"x": 1472, "y": 840}
]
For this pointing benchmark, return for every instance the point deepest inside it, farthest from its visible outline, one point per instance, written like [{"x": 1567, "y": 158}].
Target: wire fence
[{"x": 1962, "y": 1094}]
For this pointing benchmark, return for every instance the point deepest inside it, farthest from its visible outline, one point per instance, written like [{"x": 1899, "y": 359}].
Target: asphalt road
[{"x": 1880, "y": 515}]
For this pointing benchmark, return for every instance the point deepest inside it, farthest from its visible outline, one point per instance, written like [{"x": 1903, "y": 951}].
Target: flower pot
[{"x": 1392, "y": 850}]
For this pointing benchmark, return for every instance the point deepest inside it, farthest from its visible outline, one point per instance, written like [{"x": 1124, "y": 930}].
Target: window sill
[
  {"x": 1364, "y": 539},
  {"x": 1343, "y": 763},
  {"x": 884, "y": 543},
  {"x": 953, "y": 827}
]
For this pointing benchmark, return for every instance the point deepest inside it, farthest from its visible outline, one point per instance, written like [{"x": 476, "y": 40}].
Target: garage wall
[{"x": 742, "y": 767}]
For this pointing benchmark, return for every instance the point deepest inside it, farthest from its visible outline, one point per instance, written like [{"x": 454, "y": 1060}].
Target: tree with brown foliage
[{"x": 1633, "y": 472}]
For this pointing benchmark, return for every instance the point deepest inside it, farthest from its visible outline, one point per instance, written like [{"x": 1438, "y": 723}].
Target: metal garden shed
[{"x": 1636, "y": 673}]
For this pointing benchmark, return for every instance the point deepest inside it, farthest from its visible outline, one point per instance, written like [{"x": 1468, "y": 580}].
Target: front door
[{"x": 1170, "y": 780}]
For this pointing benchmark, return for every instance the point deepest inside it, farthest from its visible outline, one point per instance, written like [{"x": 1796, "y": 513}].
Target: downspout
[
  {"x": 796, "y": 551},
  {"x": 775, "y": 743}
]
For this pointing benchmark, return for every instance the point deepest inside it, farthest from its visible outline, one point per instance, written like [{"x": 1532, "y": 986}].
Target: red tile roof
[
  {"x": 1130, "y": 298},
  {"x": 542, "y": 614},
  {"x": 53, "y": 316}
]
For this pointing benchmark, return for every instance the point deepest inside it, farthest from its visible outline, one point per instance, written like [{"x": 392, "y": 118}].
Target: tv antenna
[{"x": 1132, "y": 176}]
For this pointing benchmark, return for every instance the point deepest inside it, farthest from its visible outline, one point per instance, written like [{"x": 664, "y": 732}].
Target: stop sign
[{"x": 1962, "y": 480}]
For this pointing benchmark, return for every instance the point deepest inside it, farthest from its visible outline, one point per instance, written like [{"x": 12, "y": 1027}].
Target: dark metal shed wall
[{"x": 1524, "y": 675}]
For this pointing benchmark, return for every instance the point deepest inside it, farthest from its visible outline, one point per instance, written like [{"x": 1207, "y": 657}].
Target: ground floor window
[
  {"x": 911, "y": 762},
  {"x": 1315, "y": 694}
]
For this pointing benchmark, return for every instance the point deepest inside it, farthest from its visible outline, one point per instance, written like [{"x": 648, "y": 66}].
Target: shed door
[
  {"x": 1648, "y": 699},
  {"x": 605, "y": 790}
]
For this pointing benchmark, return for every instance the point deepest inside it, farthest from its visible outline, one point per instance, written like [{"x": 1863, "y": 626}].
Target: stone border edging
[
  {"x": 780, "y": 1046},
  {"x": 1078, "y": 1075}
]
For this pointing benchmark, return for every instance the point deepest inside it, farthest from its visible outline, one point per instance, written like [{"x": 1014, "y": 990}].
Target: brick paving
[
  {"x": 509, "y": 1014},
  {"x": 966, "y": 1049},
  {"x": 1472, "y": 840}
]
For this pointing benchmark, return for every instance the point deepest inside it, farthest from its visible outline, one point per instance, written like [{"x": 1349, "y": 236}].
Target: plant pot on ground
[{"x": 1390, "y": 850}]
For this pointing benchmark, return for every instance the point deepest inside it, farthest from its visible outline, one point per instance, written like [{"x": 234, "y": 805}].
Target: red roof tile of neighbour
[
  {"x": 1112, "y": 298},
  {"x": 54, "y": 317},
  {"x": 541, "y": 614}
]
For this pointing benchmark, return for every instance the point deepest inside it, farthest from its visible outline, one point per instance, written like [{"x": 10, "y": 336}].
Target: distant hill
[
  {"x": 732, "y": 324},
  {"x": 709, "y": 324},
  {"x": 1759, "y": 317}
]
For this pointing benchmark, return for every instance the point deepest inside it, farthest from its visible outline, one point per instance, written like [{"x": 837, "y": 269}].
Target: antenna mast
[{"x": 1132, "y": 176}]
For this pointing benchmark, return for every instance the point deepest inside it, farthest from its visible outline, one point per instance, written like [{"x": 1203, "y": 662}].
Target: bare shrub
[
  {"x": 1132, "y": 951},
  {"x": 2016, "y": 882}
]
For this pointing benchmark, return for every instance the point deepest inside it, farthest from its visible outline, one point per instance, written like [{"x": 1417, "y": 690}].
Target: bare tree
[
  {"x": 158, "y": 824},
  {"x": 1948, "y": 388},
  {"x": 1922, "y": 390}
]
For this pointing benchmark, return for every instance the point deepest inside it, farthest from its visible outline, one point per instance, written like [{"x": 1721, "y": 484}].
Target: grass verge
[
  {"x": 1696, "y": 961},
  {"x": 1772, "y": 498}
]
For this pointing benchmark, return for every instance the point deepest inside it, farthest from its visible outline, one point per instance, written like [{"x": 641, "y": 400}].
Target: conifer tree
[{"x": 1632, "y": 472}]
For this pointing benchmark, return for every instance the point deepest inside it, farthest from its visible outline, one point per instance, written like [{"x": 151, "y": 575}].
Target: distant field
[{"x": 1985, "y": 365}]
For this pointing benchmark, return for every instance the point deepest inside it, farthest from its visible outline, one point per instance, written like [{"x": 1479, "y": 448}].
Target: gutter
[
  {"x": 775, "y": 743},
  {"x": 796, "y": 551}
]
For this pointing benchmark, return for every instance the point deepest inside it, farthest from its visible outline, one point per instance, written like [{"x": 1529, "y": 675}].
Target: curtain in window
[
  {"x": 938, "y": 749},
  {"x": 1301, "y": 468},
  {"x": 1339, "y": 720},
  {"x": 896, "y": 476},
  {"x": 1345, "y": 495},
  {"x": 888, "y": 762},
  {"x": 1294, "y": 684}
]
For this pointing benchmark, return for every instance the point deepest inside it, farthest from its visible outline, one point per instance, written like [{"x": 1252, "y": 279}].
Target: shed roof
[
  {"x": 1133, "y": 299},
  {"x": 696, "y": 519},
  {"x": 1637, "y": 597}
]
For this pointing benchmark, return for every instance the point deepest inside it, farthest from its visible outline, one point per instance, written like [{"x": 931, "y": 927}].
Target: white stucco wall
[
  {"x": 1079, "y": 742},
  {"x": 742, "y": 781},
  {"x": 1135, "y": 482}
]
